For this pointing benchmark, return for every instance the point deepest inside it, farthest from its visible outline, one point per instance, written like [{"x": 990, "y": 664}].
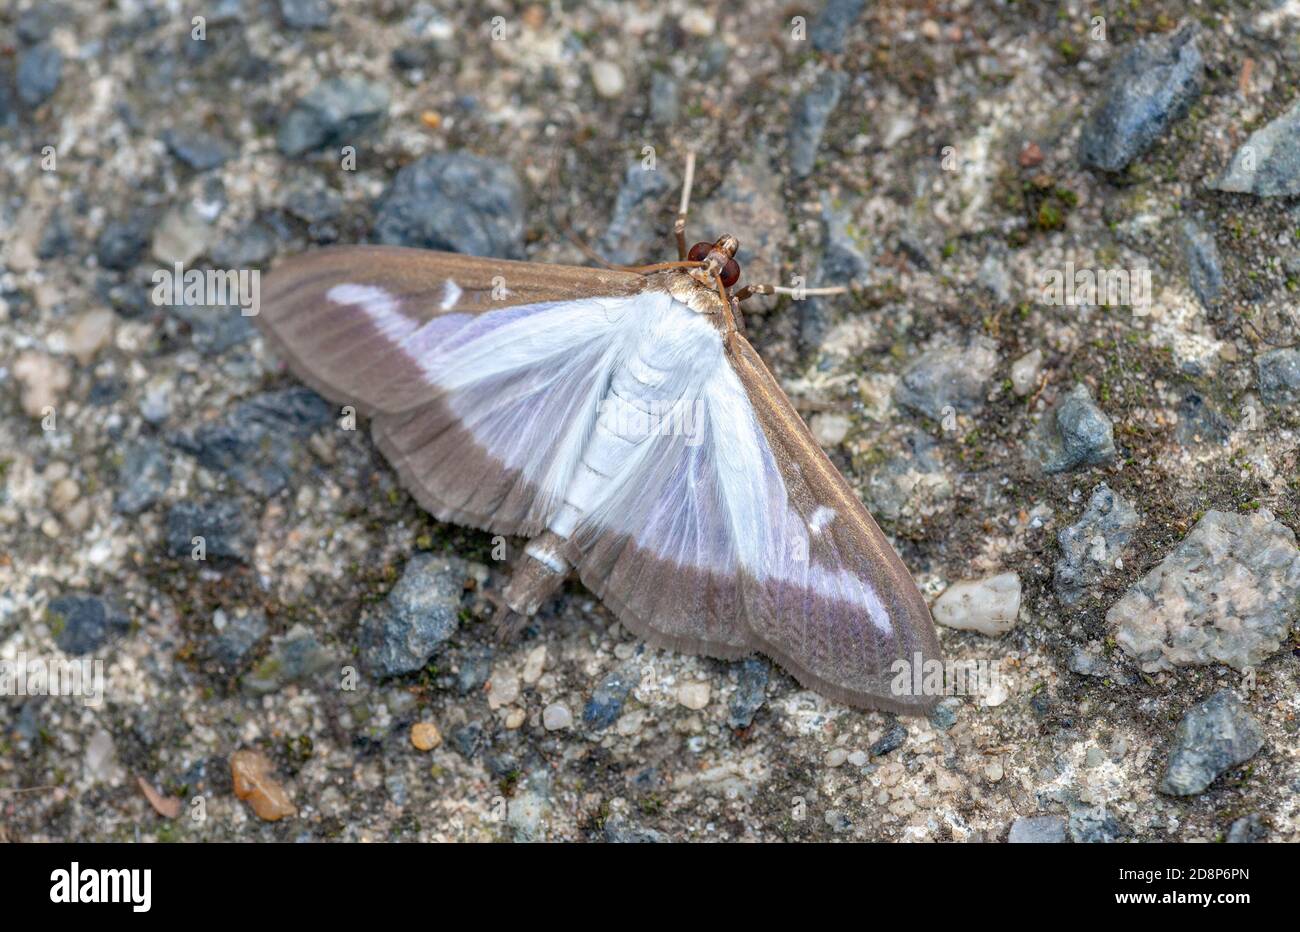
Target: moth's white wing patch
[
  {"x": 450, "y": 295},
  {"x": 719, "y": 504},
  {"x": 379, "y": 306}
]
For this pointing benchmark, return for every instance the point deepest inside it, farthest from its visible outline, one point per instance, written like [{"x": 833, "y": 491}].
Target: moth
[{"x": 620, "y": 420}]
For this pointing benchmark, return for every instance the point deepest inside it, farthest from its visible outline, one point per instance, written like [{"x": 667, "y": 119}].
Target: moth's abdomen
[{"x": 651, "y": 395}]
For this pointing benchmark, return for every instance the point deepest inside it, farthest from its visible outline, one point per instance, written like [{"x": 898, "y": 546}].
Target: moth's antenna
[
  {"x": 751, "y": 290},
  {"x": 679, "y": 225}
]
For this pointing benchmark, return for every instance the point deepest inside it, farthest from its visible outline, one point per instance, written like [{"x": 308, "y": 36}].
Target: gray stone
[
  {"x": 1279, "y": 376},
  {"x": 913, "y": 480},
  {"x": 994, "y": 278},
  {"x": 1151, "y": 87},
  {"x": 665, "y": 100},
  {"x": 457, "y": 202},
  {"x": 295, "y": 657},
  {"x": 606, "y": 702},
  {"x": 1227, "y": 594},
  {"x": 419, "y": 615},
  {"x": 1268, "y": 163},
  {"x": 1086, "y": 663},
  {"x": 40, "y": 69},
  {"x": 1090, "y": 546},
  {"x": 145, "y": 474},
  {"x": 809, "y": 117},
  {"x": 1093, "y": 825},
  {"x": 1037, "y": 830},
  {"x": 1247, "y": 829},
  {"x": 1204, "y": 271},
  {"x": 831, "y": 26},
  {"x": 314, "y": 202},
  {"x": 1200, "y": 422},
  {"x": 948, "y": 376},
  {"x": 256, "y": 444},
  {"x": 944, "y": 715},
  {"x": 8, "y": 102},
  {"x": 638, "y": 206},
  {"x": 214, "y": 328},
  {"x": 1074, "y": 434},
  {"x": 751, "y": 692},
  {"x": 248, "y": 248},
  {"x": 197, "y": 148},
  {"x": 620, "y": 831},
  {"x": 891, "y": 740},
  {"x": 527, "y": 810},
  {"x": 306, "y": 14},
  {"x": 37, "y": 22},
  {"x": 84, "y": 623},
  {"x": 1213, "y": 737},
  {"x": 237, "y": 634},
  {"x": 336, "y": 112},
  {"x": 222, "y": 525},
  {"x": 124, "y": 240},
  {"x": 842, "y": 263},
  {"x": 474, "y": 670}
]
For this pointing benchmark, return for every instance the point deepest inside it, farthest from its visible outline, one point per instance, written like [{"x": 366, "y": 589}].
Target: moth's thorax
[{"x": 684, "y": 287}]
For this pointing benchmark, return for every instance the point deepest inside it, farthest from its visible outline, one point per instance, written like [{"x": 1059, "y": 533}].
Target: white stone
[
  {"x": 697, "y": 21},
  {"x": 989, "y": 606},
  {"x": 693, "y": 695},
  {"x": 1024, "y": 372},
  {"x": 503, "y": 689},
  {"x": 556, "y": 716},
  {"x": 829, "y": 428},
  {"x": 43, "y": 379},
  {"x": 608, "y": 79},
  {"x": 91, "y": 332},
  {"x": 534, "y": 664}
]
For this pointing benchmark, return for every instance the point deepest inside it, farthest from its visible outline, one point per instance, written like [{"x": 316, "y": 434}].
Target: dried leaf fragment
[
  {"x": 169, "y": 807},
  {"x": 255, "y": 783}
]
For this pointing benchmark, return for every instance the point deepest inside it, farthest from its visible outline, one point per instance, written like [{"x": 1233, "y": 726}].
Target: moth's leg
[
  {"x": 535, "y": 577},
  {"x": 679, "y": 227},
  {"x": 750, "y": 290},
  {"x": 507, "y": 624}
]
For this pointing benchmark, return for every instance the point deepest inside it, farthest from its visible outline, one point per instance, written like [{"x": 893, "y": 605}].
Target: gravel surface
[{"x": 291, "y": 649}]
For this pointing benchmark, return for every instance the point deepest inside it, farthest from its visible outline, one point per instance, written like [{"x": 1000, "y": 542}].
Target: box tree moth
[{"x": 620, "y": 420}]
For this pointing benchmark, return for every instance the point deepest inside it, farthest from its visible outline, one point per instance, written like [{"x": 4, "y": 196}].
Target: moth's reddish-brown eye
[
  {"x": 730, "y": 273},
  {"x": 699, "y": 251}
]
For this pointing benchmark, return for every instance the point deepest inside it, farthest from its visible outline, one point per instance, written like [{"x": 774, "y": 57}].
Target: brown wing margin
[{"x": 829, "y": 644}]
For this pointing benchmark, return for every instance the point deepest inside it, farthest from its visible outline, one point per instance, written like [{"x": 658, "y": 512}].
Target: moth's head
[{"x": 719, "y": 259}]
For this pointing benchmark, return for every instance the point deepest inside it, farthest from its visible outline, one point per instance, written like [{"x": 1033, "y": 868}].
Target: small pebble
[
  {"x": 92, "y": 331},
  {"x": 989, "y": 606},
  {"x": 608, "y": 79},
  {"x": 43, "y": 378},
  {"x": 1024, "y": 372},
  {"x": 534, "y": 664},
  {"x": 425, "y": 736},
  {"x": 556, "y": 716},
  {"x": 503, "y": 689},
  {"x": 693, "y": 695}
]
